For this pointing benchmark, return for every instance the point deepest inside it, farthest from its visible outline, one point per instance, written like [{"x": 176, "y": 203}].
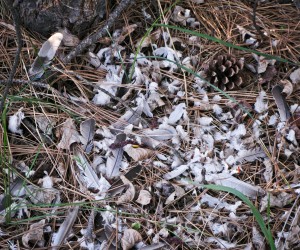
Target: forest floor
[{"x": 162, "y": 159}]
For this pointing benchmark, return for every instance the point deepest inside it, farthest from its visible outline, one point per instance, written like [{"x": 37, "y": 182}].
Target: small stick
[{"x": 254, "y": 20}]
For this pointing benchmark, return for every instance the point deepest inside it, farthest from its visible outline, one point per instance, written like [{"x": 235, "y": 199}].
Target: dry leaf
[
  {"x": 155, "y": 246},
  {"x": 179, "y": 192},
  {"x": 163, "y": 133},
  {"x": 268, "y": 75},
  {"x": 247, "y": 36},
  {"x": 130, "y": 238},
  {"x": 69, "y": 39},
  {"x": 129, "y": 194},
  {"x": 34, "y": 235},
  {"x": 144, "y": 197},
  {"x": 287, "y": 87},
  {"x": 257, "y": 239},
  {"x": 180, "y": 15},
  {"x": 45, "y": 124},
  {"x": 261, "y": 105},
  {"x": 137, "y": 154},
  {"x": 262, "y": 63},
  {"x": 69, "y": 135},
  {"x": 127, "y": 30}
]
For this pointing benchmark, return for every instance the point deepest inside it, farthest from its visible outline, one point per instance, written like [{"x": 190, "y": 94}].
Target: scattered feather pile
[{"x": 119, "y": 161}]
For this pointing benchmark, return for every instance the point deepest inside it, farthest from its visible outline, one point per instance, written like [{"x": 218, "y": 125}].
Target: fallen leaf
[
  {"x": 257, "y": 239},
  {"x": 247, "y": 36},
  {"x": 126, "y": 31},
  {"x": 221, "y": 243},
  {"x": 34, "y": 235},
  {"x": 163, "y": 133},
  {"x": 154, "y": 246},
  {"x": 180, "y": 15},
  {"x": 130, "y": 238},
  {"x": 179, "y": 192},
  {"x": 69, "y": 135},
  {"x": 137, "y": 153},
  {"x": 128, "y": 196},
  {"x": 117, "y": 187},
  {"x": 262, "y": 63},
  {"x": 45, "y": 124},
  {"x": 268, "y": 75},
  {"x": 287, "y": 87},
  {"x": 144, "y": 197},
  {"x": 69, "y": 39}
]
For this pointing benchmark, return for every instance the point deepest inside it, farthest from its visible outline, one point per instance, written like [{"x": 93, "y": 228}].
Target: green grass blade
[
  {"x": 257, "y": 215},
  {"x": 227, "y": 44}
]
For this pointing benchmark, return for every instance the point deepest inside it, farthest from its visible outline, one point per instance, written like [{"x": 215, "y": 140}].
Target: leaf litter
[{"x": 134, "y": 169}]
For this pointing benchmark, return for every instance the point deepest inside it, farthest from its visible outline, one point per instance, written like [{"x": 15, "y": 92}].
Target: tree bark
[{"x": 47, "y": 16}]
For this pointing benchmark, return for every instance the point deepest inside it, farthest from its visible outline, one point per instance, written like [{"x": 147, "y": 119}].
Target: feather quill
[
  {"x": 281, "y": 103},
  {"x": 86, "y": 170},
  {"x": 87, "y": 130},
  {"x": 114, "y": 161},
  {"x": 227, "y": 180},
  {"x": 65, "y": 228}
]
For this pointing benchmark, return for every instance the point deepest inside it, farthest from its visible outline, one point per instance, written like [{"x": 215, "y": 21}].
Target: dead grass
[{"x": 187, "y": 223}]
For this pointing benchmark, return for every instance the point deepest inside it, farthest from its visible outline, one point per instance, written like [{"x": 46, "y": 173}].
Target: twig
[
  {"x": 100, "y": 33},
  {"x": 23, "y": 82},
  {"x": 16, "y": 19},
  {"x": 254, "y": 20},
  {"x": 38, "y": 85}
]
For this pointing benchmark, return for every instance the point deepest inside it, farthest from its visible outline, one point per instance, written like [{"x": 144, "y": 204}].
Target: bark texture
[{"x": 46, "y": 16}]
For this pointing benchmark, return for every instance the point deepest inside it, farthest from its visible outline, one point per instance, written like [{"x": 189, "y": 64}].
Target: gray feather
[{"x": 45, "y": 55}]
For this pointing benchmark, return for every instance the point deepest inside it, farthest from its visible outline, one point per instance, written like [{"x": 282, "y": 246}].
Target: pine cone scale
[{"x": 223, "y": 72}]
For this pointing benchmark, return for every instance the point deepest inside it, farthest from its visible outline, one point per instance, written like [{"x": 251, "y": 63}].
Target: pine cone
[{"x": 223, "y": 72}]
